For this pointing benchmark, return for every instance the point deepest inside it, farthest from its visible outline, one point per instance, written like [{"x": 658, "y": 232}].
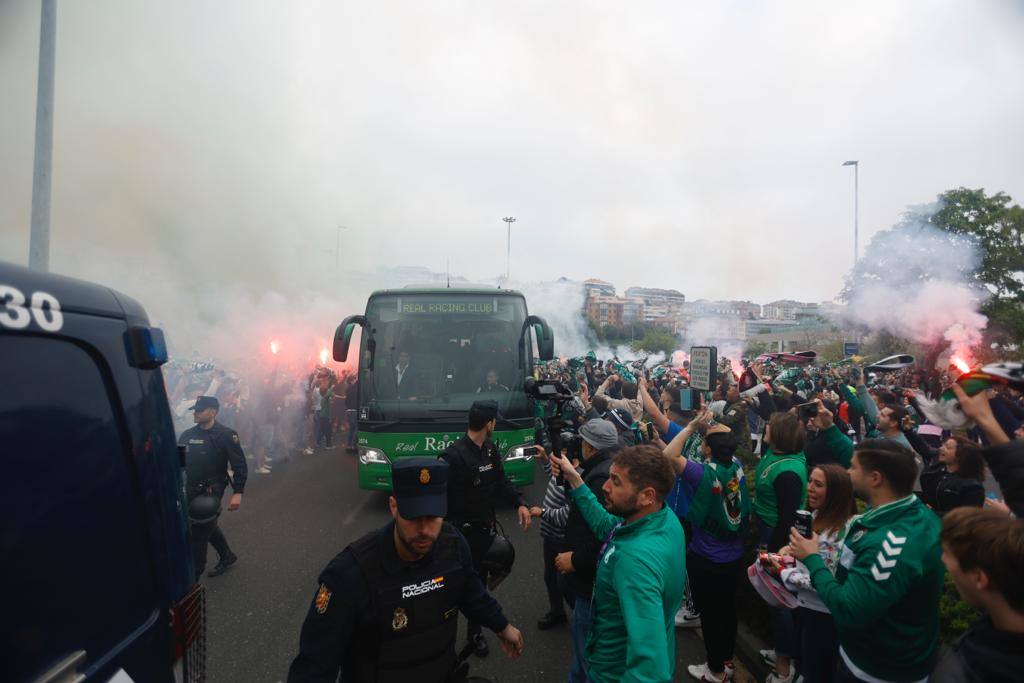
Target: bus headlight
[
  {"x": 520, "y": 453},
  {"x": 372, "y": 456}
]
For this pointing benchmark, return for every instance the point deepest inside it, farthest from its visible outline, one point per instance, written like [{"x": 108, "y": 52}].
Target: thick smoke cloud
[{"x": 920, "y": 286}]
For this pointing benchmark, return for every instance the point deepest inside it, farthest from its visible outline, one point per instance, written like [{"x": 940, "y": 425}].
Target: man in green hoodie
[
  {"x": 641, "y": 569},
  {"x": 884, "y": 596}
]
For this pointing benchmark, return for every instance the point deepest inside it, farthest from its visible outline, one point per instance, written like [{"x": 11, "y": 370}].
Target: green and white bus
[{"x": 424, "y": 358}]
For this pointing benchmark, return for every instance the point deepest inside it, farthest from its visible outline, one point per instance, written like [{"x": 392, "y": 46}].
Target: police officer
[
  {"x": 386, "y": 610},
  {"x": 476, "y": 479},
  {"x": 210, "y": 447}
]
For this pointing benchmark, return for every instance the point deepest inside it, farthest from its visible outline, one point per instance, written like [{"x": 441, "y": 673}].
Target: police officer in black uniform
[
  {"x": 210, "y": 447},
  {"x": 386, "y": 610},
  {"x": 476, "y": 479}
]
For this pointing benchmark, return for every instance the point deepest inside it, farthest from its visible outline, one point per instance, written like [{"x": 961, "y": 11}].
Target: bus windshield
[{"x": 433, "y": 355}]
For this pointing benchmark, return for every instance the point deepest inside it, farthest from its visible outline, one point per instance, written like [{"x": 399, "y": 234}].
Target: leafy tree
[{"x": 656, "y": 341}]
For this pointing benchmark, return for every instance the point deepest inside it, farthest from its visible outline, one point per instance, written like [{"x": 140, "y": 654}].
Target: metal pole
[
  {"x": 508, "y": 252},
  {"x": 856, "y": 210},
  {"x": 42, "y": 170}
]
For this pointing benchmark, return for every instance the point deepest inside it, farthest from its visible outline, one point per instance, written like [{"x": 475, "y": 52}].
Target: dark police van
[{"x": 96, "y": 579}]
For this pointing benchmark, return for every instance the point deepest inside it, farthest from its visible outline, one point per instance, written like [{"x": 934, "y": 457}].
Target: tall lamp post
[
  {"x": 39, "y": 234},
  {"x": 856, "y": 203},
  {"x": 508, "y": 253}
]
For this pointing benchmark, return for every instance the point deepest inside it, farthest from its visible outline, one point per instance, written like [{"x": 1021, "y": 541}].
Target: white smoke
[{"x": 920, "y": 286}]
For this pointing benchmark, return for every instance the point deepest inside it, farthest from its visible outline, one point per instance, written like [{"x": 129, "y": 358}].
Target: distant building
[
  {"x": 662, "y": 307},
  {"x": 595, "y": 287},
  {"x": 787, "y": 309},
  {"x": 615, "y": 310},
  {"x": 703, "y": 308}
]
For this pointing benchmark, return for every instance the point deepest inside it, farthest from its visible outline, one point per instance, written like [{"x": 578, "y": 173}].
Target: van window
[{"x": 76, "y": 572}]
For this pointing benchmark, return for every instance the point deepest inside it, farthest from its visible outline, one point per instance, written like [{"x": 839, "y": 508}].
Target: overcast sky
[{"x": 689, "y": 145}]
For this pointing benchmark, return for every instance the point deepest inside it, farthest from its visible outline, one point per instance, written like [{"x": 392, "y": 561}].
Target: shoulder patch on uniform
[
  {"x": 234, "y": 437},
  {"x": 323, "y": 599}
]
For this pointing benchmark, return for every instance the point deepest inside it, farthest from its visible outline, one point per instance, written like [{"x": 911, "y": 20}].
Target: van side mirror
[{"x": 343, "y": 336}]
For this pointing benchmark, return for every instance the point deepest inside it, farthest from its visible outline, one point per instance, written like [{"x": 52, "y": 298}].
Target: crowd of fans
[
  {"x": 278, "y": 412},
  {"x": 823, "y": 487}
]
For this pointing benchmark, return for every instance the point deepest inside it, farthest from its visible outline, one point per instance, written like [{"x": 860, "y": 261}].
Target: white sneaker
[
  {"x": 768, "y": 657},
  {"x": 774, "y": 677},
  {"x": 702, "y": 673},
  {"x": 307, "y": 451},
  {"x": 687, "y": 619},
  {"x": 268, "y": 460},
  {"x": 262, "y": 470}
]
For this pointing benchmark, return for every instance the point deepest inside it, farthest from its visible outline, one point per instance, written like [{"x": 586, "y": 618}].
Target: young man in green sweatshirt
[
  {"x": 884, "y": 596},
  {"x": 641, "y": 568}
]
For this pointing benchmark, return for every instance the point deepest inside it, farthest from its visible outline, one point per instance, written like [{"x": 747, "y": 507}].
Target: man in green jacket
[
  {"x": 641, "y": 569},
  {"x": 884, "y": 596}
]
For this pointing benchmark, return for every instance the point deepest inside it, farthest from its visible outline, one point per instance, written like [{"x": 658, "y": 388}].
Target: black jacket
[
  {"x": 343, "y": 610},
  {"x": 579, "y": 538},
  {"x": 476, "y": 479},
  {"x": 208, "y": 453},
  {"x": 942, "y": 491},
  {"x": 983, "y": 654},
  {"x": 1007, "y": 464}
]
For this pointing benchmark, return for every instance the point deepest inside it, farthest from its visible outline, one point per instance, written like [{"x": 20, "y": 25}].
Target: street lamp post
[
  {"x": 508, "y": 253},
  {"x": 856, "y": 207},
  {"x": 39, "y": 233}
]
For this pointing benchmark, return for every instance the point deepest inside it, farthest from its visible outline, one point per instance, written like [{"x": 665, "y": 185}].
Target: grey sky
[{"x": 687, "y": 145}]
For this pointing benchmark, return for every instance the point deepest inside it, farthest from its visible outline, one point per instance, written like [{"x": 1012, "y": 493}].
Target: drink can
[{"x": 804, "y": 523}]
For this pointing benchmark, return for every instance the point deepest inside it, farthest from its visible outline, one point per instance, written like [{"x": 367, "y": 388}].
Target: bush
[{"x": 955, "y": 615}]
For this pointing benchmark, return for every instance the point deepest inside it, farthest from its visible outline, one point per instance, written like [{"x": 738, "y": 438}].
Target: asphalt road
[{"x": 293, "y": 521}]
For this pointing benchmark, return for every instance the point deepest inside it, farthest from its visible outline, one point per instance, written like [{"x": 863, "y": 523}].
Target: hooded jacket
[{"x": 983, "y": 654}]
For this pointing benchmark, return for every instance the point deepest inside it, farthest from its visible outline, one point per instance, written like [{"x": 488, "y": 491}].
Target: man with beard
[
  {"x": 386, "y": 609},
  {"x": 476, "y": 480},
  {"x": 885, "y": 592},
  {"x": 640, "y": 569}
]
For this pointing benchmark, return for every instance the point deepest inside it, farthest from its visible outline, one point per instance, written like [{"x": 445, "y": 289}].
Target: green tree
[{"x": 656, "y": 341}]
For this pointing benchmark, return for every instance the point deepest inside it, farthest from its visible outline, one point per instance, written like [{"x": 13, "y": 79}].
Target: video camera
[{"x": 547, "y": 390}]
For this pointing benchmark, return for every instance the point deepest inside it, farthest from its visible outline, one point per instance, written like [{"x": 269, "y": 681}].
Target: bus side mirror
[
  {"x": 343, "y": 336},
  {"x": 545, "y": 337}
]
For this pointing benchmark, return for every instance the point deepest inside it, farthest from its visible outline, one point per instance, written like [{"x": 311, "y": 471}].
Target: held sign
[
  {"x": 850, "y": 349},
  {"x": 703, "y": 367}
]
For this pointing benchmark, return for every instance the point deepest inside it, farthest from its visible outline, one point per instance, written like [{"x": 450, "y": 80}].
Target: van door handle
[{"x": 65, "y": 671}]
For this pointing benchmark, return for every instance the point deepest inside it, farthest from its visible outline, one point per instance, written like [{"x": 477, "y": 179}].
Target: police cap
[
  {"x": 420, "y": 487},
  {"x": 204, "y": 402}
]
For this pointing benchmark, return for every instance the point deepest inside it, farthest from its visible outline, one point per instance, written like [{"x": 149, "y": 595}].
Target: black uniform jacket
[
  {"x": 207, "y": 456},
  {"x": 476, "y": 478},
  {"x": 342, "y": 606},
  {"x": 579, "y": 538}
]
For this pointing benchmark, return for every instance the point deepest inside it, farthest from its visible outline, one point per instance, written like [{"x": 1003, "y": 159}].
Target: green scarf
[{"x": 721, "y": 504}]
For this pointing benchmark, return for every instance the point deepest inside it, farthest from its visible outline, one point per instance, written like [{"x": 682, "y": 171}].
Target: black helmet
[
  {"x": 498, "y": 560},
  {"x": 203, "y": 509}
]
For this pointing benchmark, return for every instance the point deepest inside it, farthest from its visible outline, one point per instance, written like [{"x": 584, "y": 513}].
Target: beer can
[{"x": 804, "y": 523}]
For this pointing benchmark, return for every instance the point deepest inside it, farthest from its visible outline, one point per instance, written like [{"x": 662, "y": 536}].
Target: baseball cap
[{"x": 600, "y": 433}]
